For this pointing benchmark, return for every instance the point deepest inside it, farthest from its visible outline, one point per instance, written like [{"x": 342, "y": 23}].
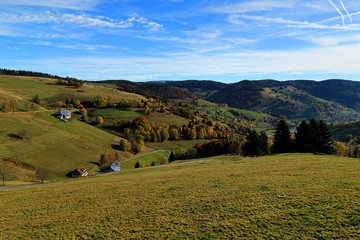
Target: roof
[
  {"x": 63, "y": 112},
  {"x": 115, "y": 166},
  {"x": 82, "y": 170}
]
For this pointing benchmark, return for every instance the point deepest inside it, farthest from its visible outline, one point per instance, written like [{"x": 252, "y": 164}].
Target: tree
[
  {"x": 282, "y": 140},
  {"x": 5, "y": 172},
  {"x": 21, "y": 134},
  {"x": 37, "y": 99},
  {"x": 153, "y": 163},
  {"x": 256, "y": 145},
  {"x": 83, "y": 113},
  {"x": 171, "y": 157},
  {"x": 99, "y": 120},
  {"x": 18, "y": 159},
  {"x": 42, "y": 174},
  {"x": 123, "y": 145},
  {"x": 137, "y": 164},
  {"x": 302, "y": 137},
  {"x": 13, "y": 105}
]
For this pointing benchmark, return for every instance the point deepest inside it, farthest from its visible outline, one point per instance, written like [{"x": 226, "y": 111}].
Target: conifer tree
[
  {"x": 137, "y": 165},
  {"x": 256, "y": 144},
  {"x": 171, "y": 157},
  {"x": 282, "y": 140}
]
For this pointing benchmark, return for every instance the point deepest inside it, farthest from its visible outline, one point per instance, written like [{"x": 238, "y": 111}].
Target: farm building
[
  {"x": 63, "y": 114},
  {"x": 80, "y": 172},
  {"x": 115, "y": 166}
]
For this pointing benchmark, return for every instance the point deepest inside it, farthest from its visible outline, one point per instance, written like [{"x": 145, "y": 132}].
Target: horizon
[{"x": 180, "y": 39}]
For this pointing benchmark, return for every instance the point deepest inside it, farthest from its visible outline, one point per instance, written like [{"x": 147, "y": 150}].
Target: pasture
[{"x": 290, "y": 196}]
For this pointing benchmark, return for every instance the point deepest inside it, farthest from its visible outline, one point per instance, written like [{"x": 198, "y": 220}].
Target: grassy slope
[
  {"x": 26, "y": 88},
  {"x": 284, "y": 196},
  {"x": 52, "y": 144}
]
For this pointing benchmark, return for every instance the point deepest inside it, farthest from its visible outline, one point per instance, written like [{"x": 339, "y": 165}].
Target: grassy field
[
  {"x": 25, "y": 88},
  {"x": 293, "y": 196},
  {"x": 53, "y": 144},
  {"x": 147, "y": 159}
]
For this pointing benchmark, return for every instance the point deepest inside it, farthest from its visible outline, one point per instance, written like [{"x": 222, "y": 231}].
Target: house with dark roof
[
  {"x": 63, "y": 114},
  {"x": 80, "y": 172}
]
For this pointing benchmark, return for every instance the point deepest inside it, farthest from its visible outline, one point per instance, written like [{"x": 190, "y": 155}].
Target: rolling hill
[{"x": 330, "y": 100}]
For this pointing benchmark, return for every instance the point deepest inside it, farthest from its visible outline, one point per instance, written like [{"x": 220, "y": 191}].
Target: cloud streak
[
  {"x": 66, "y": 4},
  {"x": 79, "y": 20},
  {"x": 346, "y": 10},
  {"x": 338, "y": 10}
]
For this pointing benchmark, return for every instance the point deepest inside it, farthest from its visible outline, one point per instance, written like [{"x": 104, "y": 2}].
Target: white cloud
[
  {"x": 67, "y": 4},
  {"x": 292, "y": 23},
  {"x": 80, "y": 20},
  {"x": 339, "y": 60},
  {"x": 250, "y": 6}
]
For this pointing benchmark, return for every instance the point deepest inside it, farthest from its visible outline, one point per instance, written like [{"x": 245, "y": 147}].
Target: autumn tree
[
  {"x": 42, "y": 174},
  {"x": 83, "y": 113},
  {"x": 123, "y": 145},
  {"x": 22, "y": 133},
  {"x": 99, "y": 120},
  {"x": 5, "y": 172}
]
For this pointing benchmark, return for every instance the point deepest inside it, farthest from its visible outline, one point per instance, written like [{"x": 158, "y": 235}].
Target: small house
[
  {"x": 63, "y": 114},
  {"x": 80, "y": 172},
  {"x": 115, "y": 166}
]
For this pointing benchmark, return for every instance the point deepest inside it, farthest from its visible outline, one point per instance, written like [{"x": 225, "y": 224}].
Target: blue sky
[{"x": 182, "y": 39}]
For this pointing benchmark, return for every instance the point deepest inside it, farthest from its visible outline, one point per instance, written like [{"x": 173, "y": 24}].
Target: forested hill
[
  {"x": 331, "y": 100},
  {"x": 155, "y": 90}
]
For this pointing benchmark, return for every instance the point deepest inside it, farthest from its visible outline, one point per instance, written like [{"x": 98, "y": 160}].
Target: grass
[
  {"x": 175, "y": 145},
  {"x": 112, "y": 114},
  {"x": 52, "y": 144},
  {"x": 27, "y": 87},
  {"x": 147, "y": 159},
  {"x": 293, "y": 196}
]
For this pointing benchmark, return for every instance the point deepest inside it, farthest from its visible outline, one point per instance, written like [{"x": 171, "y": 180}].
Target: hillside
[
  {"x": 154, "y": 90},
  {"x": 286, "y": 196},
  {"x": 330, "y": 100}
]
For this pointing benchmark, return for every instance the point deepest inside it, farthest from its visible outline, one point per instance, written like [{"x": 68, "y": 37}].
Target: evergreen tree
[
  {"x": 153, "y": 163},
  {"x": 282, "y": 140},
  {"x": 137, "y": 165},
  {"x": 256, "y": 144},
  {"x": 171, "y": 157},
  {"x": 302, "y": 137},
  {"x": 325, "y": 139},
  {"x": 264, "y": 145}
]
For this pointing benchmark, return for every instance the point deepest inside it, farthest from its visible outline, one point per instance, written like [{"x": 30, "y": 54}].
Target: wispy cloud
[
  {"x": 338, "y": 10},
  {"x": 250, "y": 6},
  {"x": 291, "y": 23},
  {"x": 343, "y": 5},
  {"x": 67, "y": 4},
  {"x": 80, "y": 20},
  {"x": 89, "y": 47},
  {"x": 338, "y": 59}
]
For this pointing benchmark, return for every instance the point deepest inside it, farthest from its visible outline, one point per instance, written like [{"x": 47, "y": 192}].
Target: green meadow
[{"x": 291, "y": 196}]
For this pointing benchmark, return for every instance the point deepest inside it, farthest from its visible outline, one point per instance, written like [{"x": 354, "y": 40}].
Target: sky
[{"x": 145, "y": 40}]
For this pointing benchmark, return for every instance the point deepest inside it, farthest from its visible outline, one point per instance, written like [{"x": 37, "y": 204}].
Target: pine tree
[
  {"x": 171, "y": 157},
  {"x": 302, "y": 137},
  {"x": 282, "y": 140},
  {"x": 137, "y": 165},
  {"x": 256, "y": 144}
]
